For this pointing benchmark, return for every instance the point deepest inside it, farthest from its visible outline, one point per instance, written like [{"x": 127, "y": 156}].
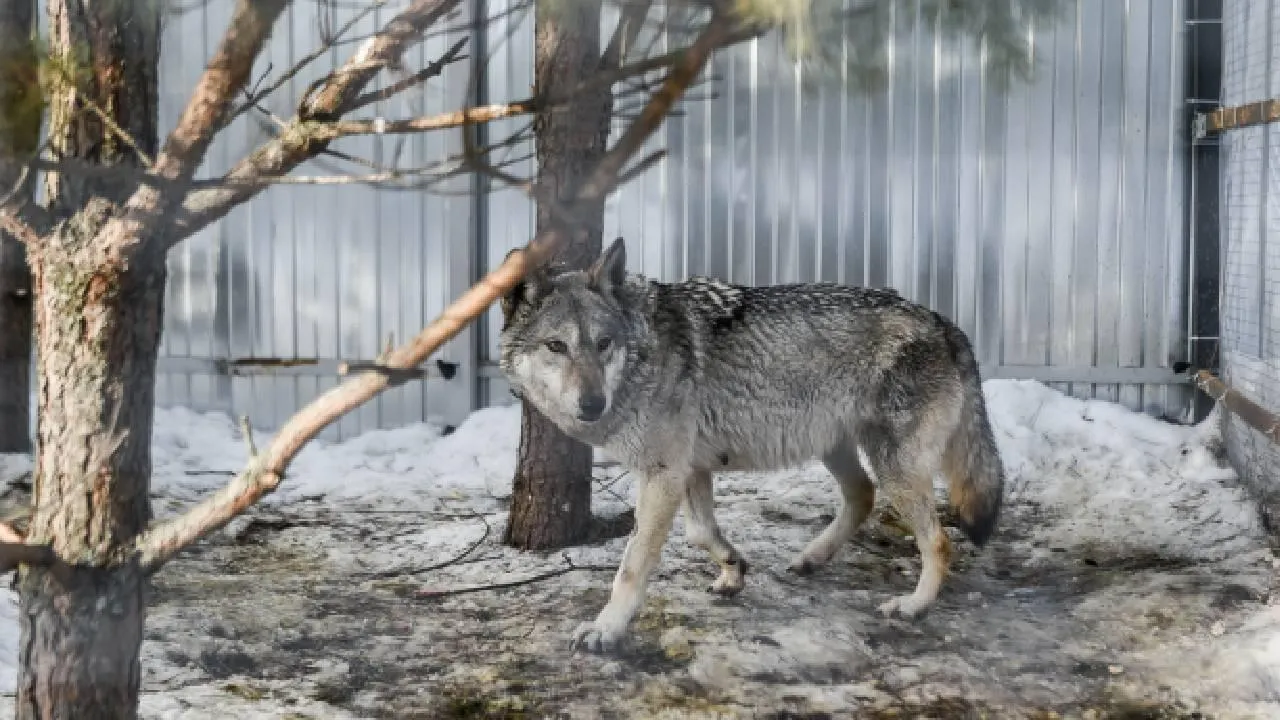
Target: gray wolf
[{"x": 677, "y": 381}]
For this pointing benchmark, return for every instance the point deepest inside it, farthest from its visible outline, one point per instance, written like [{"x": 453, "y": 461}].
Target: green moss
[
  {"x": 22, "y": 99},
  {"x": 664, "y": 699},
  {"x": 246, "y": 692},
  {"x": 472, "y": 701}
]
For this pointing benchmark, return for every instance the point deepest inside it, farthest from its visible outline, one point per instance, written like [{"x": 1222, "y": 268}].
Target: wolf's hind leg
[
  {"x": 858, "y": 496},
  {"x": 657, "y": 502},
  {"x": 905, "y": 475},
  {"x": 701, "y": 529}
]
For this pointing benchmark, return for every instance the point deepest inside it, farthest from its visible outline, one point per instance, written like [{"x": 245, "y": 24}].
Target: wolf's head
[{"x": 565, "y": 339}]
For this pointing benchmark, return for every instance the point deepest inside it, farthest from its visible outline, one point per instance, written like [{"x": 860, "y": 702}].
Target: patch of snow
[
  {"x": 13, "y": 466},
  {"x": 409, "y": 467},
  {"x": 1117, "y": 480},
  {"x": 1087, "y": 479}
]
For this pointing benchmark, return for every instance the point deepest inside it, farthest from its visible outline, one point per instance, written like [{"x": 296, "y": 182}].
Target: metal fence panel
[
  {"x": 1048, "y": 220},
  {"x": 1250, "y": 188},
  {"x": 323, "y": 271}
]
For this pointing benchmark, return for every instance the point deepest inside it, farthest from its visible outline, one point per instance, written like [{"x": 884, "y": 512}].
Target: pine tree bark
[
  {"x": 551, "y": 497},
  {"x": 97, "y": 334},
  {"x": 20, "y": 111}
]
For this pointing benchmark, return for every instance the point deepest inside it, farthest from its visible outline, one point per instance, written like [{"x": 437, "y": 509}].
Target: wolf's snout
[{"x": 590, "y": 407}]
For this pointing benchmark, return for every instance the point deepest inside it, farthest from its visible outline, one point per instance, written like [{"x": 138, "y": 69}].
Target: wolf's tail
[{"x": 975, "y": 474}]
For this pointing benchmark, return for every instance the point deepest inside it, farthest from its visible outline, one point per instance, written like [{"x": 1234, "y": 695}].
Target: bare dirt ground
[
  {"x": 1129, "y": 578},
  {"x": 284, "y": 614}
]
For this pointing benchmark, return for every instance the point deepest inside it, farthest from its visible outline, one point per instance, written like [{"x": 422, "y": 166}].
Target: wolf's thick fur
[{"x": 678, "y": 381}]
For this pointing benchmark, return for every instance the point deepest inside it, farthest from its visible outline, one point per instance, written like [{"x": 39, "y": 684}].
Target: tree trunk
[
  {"x": 106, "y": 58},
  {"x": 97, "y": 336},
  {"x": 551, "y": 498},
  {"x": 21, "y": 106},
  {"x": 97, "y": 330}
]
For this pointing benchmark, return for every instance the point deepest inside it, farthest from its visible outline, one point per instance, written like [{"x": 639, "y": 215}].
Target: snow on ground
[{"x": 1129, "y": 574}]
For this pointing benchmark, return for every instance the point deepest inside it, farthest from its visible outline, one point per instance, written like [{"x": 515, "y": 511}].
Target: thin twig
[
  {"x": 624, "y": 35},
  {"x": 17, "y": 229},
  {"x": 106, "y": 118},
  {"x": 639, "y": 169},
  {"x": 303, "y": 141},
  {"x": 9, "y": 535},
  {"x": 435, "y": 594},
  {"x": 383, "y": 574},
  {"x": 451, "y": 56},
  {"x": 247, "y": 430},
  {"x": 253, "y": 99}
]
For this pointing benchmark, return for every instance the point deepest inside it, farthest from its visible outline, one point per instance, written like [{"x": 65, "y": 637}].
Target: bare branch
[
  {"x": 9, "y": 535},
  {"x": 16, "y": 227},
  {"x": 603, "y": 178},
  {"x": 303, "y": 139},
  {"x": 247, "y": 430},
  {"x": 452, "y": 55},
  {"x": 625, "y": 34},
  {"x": 489, "y": 113},
  {"x": 330, "y": 41},
  {"x": 14, "y": 554},
  {"x": 455, "y": 560},
  {"x": 184, "y": 150},
  {"x": 442, "y": 121},
  {"x": 106, "y": 118},
  {"x": 304, "y": 136},
  {"x": 263, "y": 474},
  {"x": 395, "y": 376},
  {"x": 568, "y": 568},
  {"x": 224, "y": 77},
  {"x": 336, "y": 94},
  {"x": 639, "y": 169}
]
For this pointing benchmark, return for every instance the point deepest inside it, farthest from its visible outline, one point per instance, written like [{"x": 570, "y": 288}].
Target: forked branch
[
  {"x": 303, "y": 137},
  {"x": 226, "y": 75},
  {"x": 265, "y": 470}
]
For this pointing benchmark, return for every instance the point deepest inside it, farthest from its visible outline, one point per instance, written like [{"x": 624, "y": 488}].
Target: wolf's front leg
[
  {"x": 702, "y": 530},
  {"x": 659, "y": 498}
]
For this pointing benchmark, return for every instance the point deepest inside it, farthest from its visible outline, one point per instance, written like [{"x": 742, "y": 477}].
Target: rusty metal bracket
[
  {"x": 1239, "y": 116},
  {"x": 271, "y": 362},
  {"x": 306, "y": 367},
  {"x": 1253, "y": 414}
]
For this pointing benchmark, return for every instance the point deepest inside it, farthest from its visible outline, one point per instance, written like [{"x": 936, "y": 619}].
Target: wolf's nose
[{"x": 590, "y": 407}]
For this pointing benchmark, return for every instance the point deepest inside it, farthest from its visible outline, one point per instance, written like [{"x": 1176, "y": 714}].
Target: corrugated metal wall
[
  {"x": 1250, "y": 342},
  {"x": 1048, "y": 220},
  {"x": 325, "y": 271}
]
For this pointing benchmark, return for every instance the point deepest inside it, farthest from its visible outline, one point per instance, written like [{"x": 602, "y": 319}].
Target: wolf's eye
[
  {"x": 557, "y": 347},
  {"x": 603, "y": 344}
]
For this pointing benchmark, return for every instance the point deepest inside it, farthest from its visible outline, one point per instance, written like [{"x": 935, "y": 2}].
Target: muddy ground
[
  {"x": 276, "y": 617},
  {"x": 1129, "y": 578}
]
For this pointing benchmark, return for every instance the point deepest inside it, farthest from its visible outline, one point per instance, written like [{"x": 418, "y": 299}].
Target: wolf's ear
[
  {"x": 610, "y": 270},
  {"x": 528, "y": 289}
]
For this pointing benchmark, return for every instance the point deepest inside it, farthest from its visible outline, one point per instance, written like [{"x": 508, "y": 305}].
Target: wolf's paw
[
  {"x": 802, "y": 566},
  {"x": 594, "y": 637},
  {"x": 732, "y": 579},
  {"x": 905, "y": 606}
]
